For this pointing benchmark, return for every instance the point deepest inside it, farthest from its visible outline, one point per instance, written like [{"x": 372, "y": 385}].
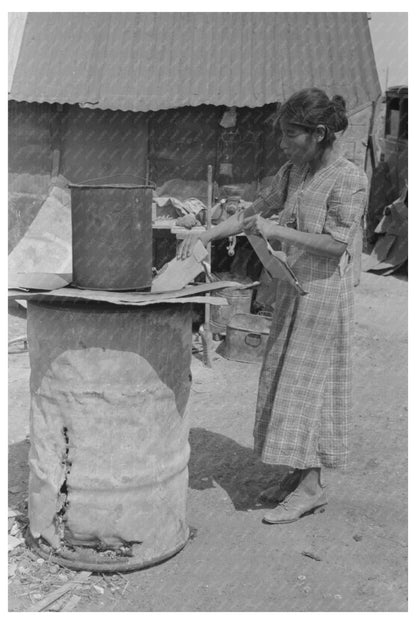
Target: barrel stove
[
  {"x": 109, "y": 432},
  {"x": 109, "y": 387}
]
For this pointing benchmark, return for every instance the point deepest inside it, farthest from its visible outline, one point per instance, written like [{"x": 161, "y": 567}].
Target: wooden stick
[
  {"x": 72, "y": 603},
  {"x": 57, "y": 593},
  {"x": 207, "y": 337}
]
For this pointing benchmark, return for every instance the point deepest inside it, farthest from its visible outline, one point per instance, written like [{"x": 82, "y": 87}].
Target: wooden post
[
  {"x": 207, "y": 335},
  {"x": 56, "y": 140}
]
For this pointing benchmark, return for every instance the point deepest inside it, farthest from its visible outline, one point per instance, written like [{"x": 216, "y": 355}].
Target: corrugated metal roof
[{"x": 152, "y": 61}]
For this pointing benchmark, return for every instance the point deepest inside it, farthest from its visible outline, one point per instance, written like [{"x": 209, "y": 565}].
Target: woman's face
[{"x": 299, "y": 145}]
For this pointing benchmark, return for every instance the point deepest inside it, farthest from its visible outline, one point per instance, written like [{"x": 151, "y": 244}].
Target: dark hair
[{"x": 312, "y": 107}]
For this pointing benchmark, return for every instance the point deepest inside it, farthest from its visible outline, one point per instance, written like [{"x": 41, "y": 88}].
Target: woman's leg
[
  {"x": 306, "y": 498},
  {"x": 282, "y": 488},
  {"x": 310, "y": 482}
]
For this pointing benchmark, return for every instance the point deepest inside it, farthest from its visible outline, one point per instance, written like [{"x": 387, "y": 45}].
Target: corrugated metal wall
[{"x": 103, "y": 143}]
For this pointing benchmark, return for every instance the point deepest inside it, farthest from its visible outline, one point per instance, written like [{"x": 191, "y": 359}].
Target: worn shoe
[
  {"x": 278, "y": 493},
  {"x": 296, "y": 505}
]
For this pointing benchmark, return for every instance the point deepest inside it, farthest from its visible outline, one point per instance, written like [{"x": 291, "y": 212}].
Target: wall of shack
[
  {"x": 184, "y": 141},
  {"x": 47, "y": 140},
  {"x": 84, "y": 144}
]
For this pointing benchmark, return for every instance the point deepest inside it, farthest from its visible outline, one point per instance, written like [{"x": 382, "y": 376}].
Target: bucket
[
  {"x": 239, "y": 300},
  {"x": 108, "y": 461},
  {"x": 246, "y": 338},
  {"x": 111, "y": 236}
]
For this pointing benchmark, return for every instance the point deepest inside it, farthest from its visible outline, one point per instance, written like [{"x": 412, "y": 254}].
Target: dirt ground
[{"x": 234, "y": 562}]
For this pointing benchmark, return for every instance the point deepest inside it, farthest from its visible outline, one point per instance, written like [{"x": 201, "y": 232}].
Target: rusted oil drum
[
  {"x": 109, "y": 433},
  {"x": 111, "y": 236}
]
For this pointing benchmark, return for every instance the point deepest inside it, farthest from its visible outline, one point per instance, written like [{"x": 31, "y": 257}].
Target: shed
[{"x": 94, "y": 95}]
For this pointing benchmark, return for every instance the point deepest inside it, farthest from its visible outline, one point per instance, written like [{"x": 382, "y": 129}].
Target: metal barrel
[
  {"x": 109, "y": 433},
  {"x": 111, "y": 236},
  {"x": 239, "y": 300}
]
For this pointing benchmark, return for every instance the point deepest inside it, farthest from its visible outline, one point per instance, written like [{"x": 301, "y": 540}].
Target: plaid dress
[{"x": 304, "y": 397}]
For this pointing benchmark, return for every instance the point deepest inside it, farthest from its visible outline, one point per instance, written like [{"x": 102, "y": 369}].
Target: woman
[{"x": 304, "y": 396}]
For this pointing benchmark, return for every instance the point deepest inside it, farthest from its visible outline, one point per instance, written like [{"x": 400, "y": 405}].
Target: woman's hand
[
  {"x": 256, "y": 225},
  {"x": 189, "y": 242}
]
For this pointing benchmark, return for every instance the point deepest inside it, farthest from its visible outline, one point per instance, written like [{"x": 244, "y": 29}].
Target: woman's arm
[
  {"x": 316, "y": 244},
  {"x": 231, "y": 226},
  {"x": 344, "y": 211},
  {"x": 268, "y": 200}
]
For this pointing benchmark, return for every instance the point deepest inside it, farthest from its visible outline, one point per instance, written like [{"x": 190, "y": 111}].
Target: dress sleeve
[
  {"x": 346, "y": 206},
  {"x": 271, "y": 200}
]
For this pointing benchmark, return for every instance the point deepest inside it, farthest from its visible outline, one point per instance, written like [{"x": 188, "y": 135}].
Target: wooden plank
[
  {"x": 207, "y": 335},
  {"x": 57, "y": 593},
  {"x": 72, "y": 603}
]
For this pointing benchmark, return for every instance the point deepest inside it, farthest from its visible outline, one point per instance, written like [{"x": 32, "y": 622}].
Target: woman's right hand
[{"x": 189, "y": 242}]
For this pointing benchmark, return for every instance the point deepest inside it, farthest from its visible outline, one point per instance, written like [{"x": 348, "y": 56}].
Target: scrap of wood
[
  {"x": 206, "y": 338},
  {"x": 57, "y": 593},
  {"x": 12, "y": 567},
  {"x": 207, "y": 334},
  {"x": 72, "y": 603},
  {"x": 13, "y": 542},
  {"x": 310, "y": 555}
]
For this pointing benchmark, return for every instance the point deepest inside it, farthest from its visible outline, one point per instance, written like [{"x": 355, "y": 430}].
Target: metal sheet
[
  {"x": 153, "y": 61},
  {"x": 46, "y": 246}
]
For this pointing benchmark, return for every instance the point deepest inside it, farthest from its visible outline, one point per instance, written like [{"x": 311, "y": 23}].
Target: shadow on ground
[{"x": 215, "y": 458}]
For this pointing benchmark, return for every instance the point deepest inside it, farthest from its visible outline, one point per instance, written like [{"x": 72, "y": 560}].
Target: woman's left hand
[{"x": 256, "y": 225}]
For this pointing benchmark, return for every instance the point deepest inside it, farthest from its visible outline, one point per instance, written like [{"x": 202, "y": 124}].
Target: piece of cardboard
[
  {"x": 190, "y": 294},
  {"x": 39, "y": 281},
  {"x": 46, "y": 245},
  {"x": 64, "y": 295},
  {"x": 178, "y": 273},
  {"x": 276, "y": 266}
]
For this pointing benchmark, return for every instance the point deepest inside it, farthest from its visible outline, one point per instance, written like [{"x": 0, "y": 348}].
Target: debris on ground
[
  {"x": 16, "y": 527},
  {"x": 42, "y": 585},
  {"x": 310, "y": 555},
  {"x": 54, "y": 595},
  {"x": 72, "y": 603},
  {"x": 13, "y": 542},
  {"x": 390, "y": 251}
]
